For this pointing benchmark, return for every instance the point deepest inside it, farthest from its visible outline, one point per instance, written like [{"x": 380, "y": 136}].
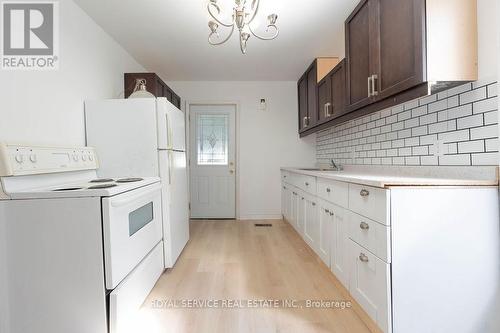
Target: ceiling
[{"x": 170, "y": 37}]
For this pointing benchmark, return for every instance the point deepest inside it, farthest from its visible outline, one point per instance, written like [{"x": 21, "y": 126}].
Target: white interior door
[{"x": 212, "y": 161}]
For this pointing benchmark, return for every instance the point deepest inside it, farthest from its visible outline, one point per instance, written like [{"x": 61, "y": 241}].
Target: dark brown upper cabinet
[
  {"x": 331, "y": 94},
  {"x": 396, "y": 45},
  {"x": 154, "y": 84},
  {"x": 308, "y": 91},
  {"x": 359, "y": 55}
]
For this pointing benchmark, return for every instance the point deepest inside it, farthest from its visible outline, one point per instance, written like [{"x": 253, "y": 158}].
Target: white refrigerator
[{"x": 143, "y": 138}]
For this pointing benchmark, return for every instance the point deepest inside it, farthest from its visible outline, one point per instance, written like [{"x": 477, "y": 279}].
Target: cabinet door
[
  {"x": 369, "y": 284},
  {"x": 325, "y": 221},
  {"x": 302, "y": 92},
  {"x": 339, "y": 246},
  {"x": 324, "y": 97},
  {"x": 293, "y": 209},
  {"x": 312, "y": 96},
  {"x": 284, "y": 212},
  {"x": 358, "y": 55},
  {"x": 311, "y": 230},
  {"x": 399, "y": 59},
  {"x": 337, "y": 85}
]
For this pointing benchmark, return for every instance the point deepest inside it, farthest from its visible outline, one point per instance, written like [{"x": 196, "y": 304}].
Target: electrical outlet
[{"x": 439, "y": 148}]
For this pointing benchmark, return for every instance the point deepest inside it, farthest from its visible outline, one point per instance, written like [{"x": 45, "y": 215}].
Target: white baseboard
[{"x": 260, "y": 217}]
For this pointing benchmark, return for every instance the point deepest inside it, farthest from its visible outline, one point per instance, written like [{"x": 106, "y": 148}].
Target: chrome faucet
[{"x": 335, "y": 166}]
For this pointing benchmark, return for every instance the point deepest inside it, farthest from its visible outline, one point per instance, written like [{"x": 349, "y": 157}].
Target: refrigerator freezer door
[
  {"x": 171, "y": 126},
  {"x": 122, "y": 131},
  {"x": 173, "y": 172}
]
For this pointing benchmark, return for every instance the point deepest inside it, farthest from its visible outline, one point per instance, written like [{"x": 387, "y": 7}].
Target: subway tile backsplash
[{"x": 455, "y": 127}]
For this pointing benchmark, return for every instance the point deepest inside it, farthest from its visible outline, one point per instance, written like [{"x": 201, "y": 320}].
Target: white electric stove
[{"x": 77, "y": 253}]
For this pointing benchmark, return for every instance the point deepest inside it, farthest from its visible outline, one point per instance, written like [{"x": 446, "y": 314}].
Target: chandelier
[{"x": 243, "y": 16}]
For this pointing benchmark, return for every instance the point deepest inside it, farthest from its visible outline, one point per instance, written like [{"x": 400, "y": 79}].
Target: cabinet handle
[
  {"x": 369, "y": 86},
  {"x": 325, "y": 110},
  {"x": 302, "y": 198},
  {"x": 374, "y": 86},
  {"x": 363, "y": 257},
  {"x": 306, "y": 183},
  {"x": 364, "y": 226},
  {"x": 364, "y": 193},
  {"x": 328, "y": 190},
  {"x": 314, "y": 204},
  {"x": 305, "y": 122}
]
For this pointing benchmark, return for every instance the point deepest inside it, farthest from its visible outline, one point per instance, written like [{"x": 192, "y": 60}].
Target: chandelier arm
[
  {"x": 255, "y": 9},
  {"x": 276, "y": 33},
  {"x": 209, "y": 8},
  {"x": 223, "y": 41}
]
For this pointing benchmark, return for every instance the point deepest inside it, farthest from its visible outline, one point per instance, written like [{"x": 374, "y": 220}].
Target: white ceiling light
[{"x": 241, "y": 19}]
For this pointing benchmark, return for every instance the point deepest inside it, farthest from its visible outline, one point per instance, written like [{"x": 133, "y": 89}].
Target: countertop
[{"x": 390, "y": 176}]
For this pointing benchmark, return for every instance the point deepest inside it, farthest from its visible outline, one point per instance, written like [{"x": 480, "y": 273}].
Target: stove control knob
[
  {"x": 33, "y": 158},
  {"x": 91, "y": 158},
  {"x": 75, "y": 158},
  {"x": 84, "y": 158},
  {"x": 19, "y": 158}
]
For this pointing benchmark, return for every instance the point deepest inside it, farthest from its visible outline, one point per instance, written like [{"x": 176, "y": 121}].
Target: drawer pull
[
  {"x": 364, "y": 193},
  {"x": 284, "y": 187},
  {"x": 314, "y": 204},
  {"x": 364, "y": 226},
  {"x": 307, "y": 184},
  {"x": 328, "y": 190},
  {"x": 302, "y": 198},
  {"x": 363, "y": 257}
]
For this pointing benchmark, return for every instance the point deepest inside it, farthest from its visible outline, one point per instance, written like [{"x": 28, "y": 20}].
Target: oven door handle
[{"x": 133, "y": 197}]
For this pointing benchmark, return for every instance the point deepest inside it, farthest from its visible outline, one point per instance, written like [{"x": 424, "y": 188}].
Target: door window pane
[
  {"x": 139, "y": 218},
  {"x": 212, "y": 139}
]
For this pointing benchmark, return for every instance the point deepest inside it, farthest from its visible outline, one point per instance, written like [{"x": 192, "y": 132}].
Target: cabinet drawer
[
  {"x": 371, "y": 202},
  {"x": 369, "y": 284},
  {"x": 333, "y": 191},
  {"x": 373, "y": 236},
  {"x": 306, "y": 183}
]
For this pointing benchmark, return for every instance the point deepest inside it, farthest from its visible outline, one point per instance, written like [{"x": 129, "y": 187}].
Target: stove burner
[
  {"x": 97, "y": 187},
  {"x": 67, "y": 189},
  {"x": 129, "y": 180},
  {"x": 102, "y": 180}
]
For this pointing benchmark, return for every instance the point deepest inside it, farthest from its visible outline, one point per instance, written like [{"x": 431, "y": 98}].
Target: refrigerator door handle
[
  {"x": 169, "y": 168},
  {"x": 169, "y": 132}
]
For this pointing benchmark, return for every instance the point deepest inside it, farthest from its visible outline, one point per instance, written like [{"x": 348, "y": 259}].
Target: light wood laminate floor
[{"x": 237, "y": 261}]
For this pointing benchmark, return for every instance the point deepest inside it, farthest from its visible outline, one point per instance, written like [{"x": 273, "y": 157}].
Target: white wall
[
  {"x": 47, "y": 107},
  {"x": 267, "y": 139}
]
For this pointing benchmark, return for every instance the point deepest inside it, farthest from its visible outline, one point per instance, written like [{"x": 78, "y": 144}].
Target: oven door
[{"x": 132, "y": 224}]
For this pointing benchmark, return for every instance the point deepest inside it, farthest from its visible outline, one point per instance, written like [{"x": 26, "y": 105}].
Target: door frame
[{"x": 236, "y": 105}]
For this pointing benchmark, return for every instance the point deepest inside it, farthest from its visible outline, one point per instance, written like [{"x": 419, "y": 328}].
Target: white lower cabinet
[
  {"x": 369, "y": 284},
  {"x": 402, "y": 252},
  {"x": 338, "y": 263},
  {"x": 326, "y": 220},
  {"x": 310, "y": 221}
]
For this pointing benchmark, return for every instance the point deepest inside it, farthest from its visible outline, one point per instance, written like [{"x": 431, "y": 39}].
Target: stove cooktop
[{"x": 101, "y": 187}]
